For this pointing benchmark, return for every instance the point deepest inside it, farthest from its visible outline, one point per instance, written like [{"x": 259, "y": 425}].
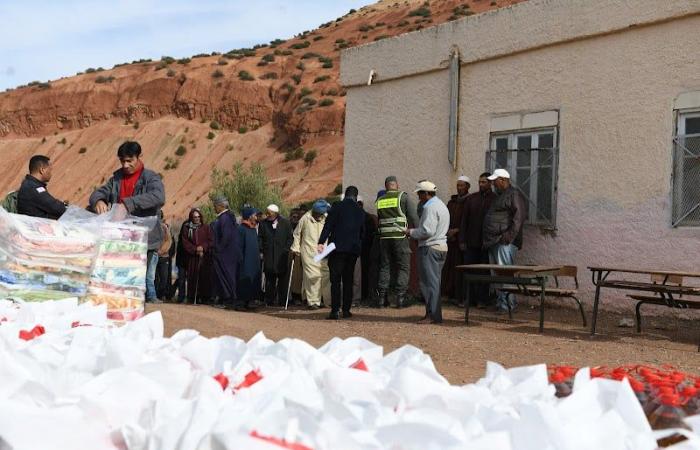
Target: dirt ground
[{"x": 460, "y": 352}]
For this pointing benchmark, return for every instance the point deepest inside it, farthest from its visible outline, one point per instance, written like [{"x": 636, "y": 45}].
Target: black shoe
[
  {"x": 333, "y": 316},
  {"x": 312, "y": 307},
  {"x": 347, "y": 314},
  {"x": 401, "y": 301}
]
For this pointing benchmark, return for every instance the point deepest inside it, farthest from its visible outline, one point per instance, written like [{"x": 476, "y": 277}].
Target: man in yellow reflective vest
[{"x": 396, "y": 213}]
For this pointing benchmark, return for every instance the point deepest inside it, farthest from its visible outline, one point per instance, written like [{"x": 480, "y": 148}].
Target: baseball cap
[
  {"x": 499, "y": 173},
  {"x": 426, "y": 186}
]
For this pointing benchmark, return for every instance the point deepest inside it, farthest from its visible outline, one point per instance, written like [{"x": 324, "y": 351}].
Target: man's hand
[
  {"x": 101, "y": 207},
  {"x": 200, "y": 251},
  {"x": 296, "y": 254},
  {"x": 320, "y": 248},
  {"x": 452, "y": 232},
  {"x": 408, "y": 232}
]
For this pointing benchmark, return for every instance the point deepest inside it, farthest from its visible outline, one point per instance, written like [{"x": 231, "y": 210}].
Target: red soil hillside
[{"x": 248, "y": 105}]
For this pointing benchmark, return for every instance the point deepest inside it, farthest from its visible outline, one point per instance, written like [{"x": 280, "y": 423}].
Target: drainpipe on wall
[{"x": 454, "y": 108}]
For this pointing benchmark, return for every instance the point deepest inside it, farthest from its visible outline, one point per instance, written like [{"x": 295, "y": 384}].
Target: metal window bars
[
  {"x": 533, "y": 172},
  {"x": 686, "y": 181}
]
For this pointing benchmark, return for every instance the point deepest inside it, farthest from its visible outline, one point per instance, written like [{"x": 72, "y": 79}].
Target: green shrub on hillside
[
  {"x": 326, "y": 102},
  {"x": 245, "y": 76},
  {"x": 181, "y": 150}
]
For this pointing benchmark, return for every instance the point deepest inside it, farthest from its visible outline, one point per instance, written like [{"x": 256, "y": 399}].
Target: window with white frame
[
  {"x": 531, "y": 157},
  {"x": 686, "y": 169}
]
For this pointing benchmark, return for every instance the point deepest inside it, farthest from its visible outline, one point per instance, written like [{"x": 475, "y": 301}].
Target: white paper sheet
[{"x": 326, "y": 251}]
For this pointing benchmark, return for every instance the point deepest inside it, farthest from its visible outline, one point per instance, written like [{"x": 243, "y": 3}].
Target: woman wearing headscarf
[
  {"x": 197, "y": 241},
  {"x": 316, "y": 283},
  {"x": 249, "y": 269}
]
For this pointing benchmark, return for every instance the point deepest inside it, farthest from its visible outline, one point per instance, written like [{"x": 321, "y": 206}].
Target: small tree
[
  {"x": 171, "y": 73},
  {"x": 241, "y": 186},
  {"x": 326, "y": 102},
  {"x": 214, "y": 125},
  {"x": 63, "y": 141},
  {"x": 211, "y": 135},
  {"x": 181, "y": 150},
  {"x": 304, "y": 92},
  {"x": 82, "y": 150},
  {"x": 242, "y": 129},
  {"x": 222, "y": 62},
  {"x": 217, "y": 74},
  {"x": 338, "y": 189},
  {"x": 310, "y": 157},
  {"x": 321, "y": 79}
]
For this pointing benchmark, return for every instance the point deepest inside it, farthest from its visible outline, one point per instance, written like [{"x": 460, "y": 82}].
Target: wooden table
[
  {"x": 667, "y": 291},
  {"x": 518, "y": 275}
]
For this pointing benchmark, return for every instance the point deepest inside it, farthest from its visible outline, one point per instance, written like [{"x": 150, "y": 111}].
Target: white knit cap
[
  {"x": 273, "y": 208},
  {"x": 465, "y": 179}
]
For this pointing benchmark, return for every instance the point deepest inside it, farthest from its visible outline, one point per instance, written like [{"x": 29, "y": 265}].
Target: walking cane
[
  {"x": 196, "y": 285},
  {"x": 289, "y": 286}
]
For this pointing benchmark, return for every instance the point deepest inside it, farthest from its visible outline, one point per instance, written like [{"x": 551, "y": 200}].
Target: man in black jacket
[
  {"x": 344, "y": 227},
  {"x": 276, "y": 237},
  {"x": 33, "y": 199},
  {"x": 503, "y": 229}
]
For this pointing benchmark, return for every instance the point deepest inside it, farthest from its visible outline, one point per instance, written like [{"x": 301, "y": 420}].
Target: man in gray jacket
[
  {"x": 431, "y": 235},
  {"x": 141, "y": 192},
  {"x": 503, "y": 229}
]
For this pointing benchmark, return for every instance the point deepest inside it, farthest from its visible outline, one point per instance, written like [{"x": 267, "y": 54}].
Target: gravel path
[{"x": 460, "y": 353}]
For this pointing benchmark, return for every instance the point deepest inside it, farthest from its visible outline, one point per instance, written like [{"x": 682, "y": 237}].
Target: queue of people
[{"x": 266, "y": 259}]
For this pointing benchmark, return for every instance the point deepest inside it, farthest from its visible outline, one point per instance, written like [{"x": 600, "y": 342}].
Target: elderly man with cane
[{"x": 316, "y": 281}]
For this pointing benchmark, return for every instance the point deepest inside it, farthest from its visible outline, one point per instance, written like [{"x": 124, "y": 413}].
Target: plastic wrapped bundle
[
  {"x": 42, "y": 259},
  {"x": 118, "y": 277}
]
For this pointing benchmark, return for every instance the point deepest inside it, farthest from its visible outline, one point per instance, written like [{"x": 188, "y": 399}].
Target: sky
[{"x": 49, "y": 39}]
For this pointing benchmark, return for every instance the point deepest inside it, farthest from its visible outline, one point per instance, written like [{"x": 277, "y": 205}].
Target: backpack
[{"x": 10, "y": 202}]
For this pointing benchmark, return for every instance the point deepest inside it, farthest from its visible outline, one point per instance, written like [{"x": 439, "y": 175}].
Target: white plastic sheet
[{"x": 83, "y": 384}]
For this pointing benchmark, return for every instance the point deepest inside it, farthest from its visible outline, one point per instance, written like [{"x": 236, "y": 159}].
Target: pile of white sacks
[{"x": 82, "y": 384}]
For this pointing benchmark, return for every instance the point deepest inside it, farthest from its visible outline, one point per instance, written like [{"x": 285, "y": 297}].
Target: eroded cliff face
[{"x": 291, "y": 98}]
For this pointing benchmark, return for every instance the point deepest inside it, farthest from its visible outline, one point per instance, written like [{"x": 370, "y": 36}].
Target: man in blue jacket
[
  {"x": 227, "y": 253},
  {"x": 344, "y": 227}
]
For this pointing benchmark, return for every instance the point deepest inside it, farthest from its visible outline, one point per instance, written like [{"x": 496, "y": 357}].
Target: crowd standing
[{"x": 265, "y": 259}]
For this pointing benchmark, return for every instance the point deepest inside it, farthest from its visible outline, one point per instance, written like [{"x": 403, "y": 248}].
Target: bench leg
[
  {"x": 542, "y": 295},
  {"x": 467, "y": 300},
  {"x": 595, "y": 309},
  {"x": 580, "y": 308},
  {"x": 638, "y": 316}
]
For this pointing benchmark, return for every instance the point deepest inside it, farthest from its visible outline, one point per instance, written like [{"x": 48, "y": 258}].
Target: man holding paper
[{"x": 344, "y": 228}]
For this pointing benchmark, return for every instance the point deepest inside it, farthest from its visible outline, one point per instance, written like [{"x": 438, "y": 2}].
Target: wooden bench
[
  {"x": 674, "y": 283},
  {"x": 567, "y": 272}
]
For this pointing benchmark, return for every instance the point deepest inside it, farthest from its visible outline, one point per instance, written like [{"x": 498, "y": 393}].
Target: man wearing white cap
[
  {"x": 451, "y": 285},
  {"x": 276, "y": 238},
  {"x": 431, "y": 235},
  {"x": 503, "y": 229}
]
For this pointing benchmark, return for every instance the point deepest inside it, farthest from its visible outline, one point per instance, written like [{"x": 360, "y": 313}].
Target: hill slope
[{"x": 247, "y": 105}]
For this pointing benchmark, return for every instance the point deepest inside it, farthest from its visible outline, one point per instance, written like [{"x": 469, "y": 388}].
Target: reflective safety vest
[{"x": 392, "y": 219}]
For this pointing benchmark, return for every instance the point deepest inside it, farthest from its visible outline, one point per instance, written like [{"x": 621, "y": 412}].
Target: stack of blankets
[{"x": 91, "y": 259}]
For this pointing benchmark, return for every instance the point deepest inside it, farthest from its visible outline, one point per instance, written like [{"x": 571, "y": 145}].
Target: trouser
[
  {"x": 275, "y": 288},
  {"x": 394, "y": 266},
  {"x": 430, "y": 264},
  {"x": 364, "y": 268},
  {"x": 316, "y": 282},
  {"x": 162, "y": 280},
  {"x": 478, "y": 292},
  {"x": 342, "y": 268},
  {"x": 181, "y": 284},
  {"x": 152, "y": 264},
  {"x": 248, "y": 289},
  {"x": 503, "y": 255}
]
